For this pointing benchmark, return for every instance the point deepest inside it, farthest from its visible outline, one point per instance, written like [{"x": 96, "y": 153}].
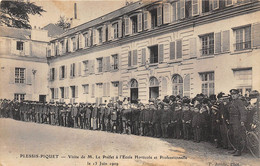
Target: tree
[
  {"x": 63, "y": 23},
  {"x": 16, "y": 13}
]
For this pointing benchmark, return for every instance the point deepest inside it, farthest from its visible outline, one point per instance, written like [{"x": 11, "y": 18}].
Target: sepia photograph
[{"x": 129, "y": 82}]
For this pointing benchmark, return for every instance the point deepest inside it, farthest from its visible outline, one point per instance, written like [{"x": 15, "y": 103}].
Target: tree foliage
[
  {"x": 16, "y": 13},
  {"x": 63, "y": 23}
]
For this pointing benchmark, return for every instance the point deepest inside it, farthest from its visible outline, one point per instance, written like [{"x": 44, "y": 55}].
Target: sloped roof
[
  {"x": 23, "y": 34},
  {"x": 114, "y": 14},
  {"x": 53, "y": 30}
]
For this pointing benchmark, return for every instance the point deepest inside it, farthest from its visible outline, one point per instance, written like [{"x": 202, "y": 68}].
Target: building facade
[
  {"x": 23, "y": 64},
  {"x": 152, "y": 49}
]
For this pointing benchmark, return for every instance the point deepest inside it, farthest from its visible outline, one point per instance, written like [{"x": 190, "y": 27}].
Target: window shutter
[
  {"x": 164, "y": 87},
  {"x": 104, "y": 90},
  {"x": 71, "y": 70},
  {"x": 50, "y": 74},
  {"x": 12, "y": 75},
  {"x": 76, "y": 91},
  {"x": 104, "y": 33},
  {"x": 77, "y": 43},
  {"x": 65, "y": 46},
  {"x": 129, "y": 58},
  {"x": 166, "y": 13},
  {"x": 27, "y": 48},
  {"x": 160, "y": 49},
  {"x": 127, "y": 28},
  {"x": 109, "y": 30},
  {"x": 91, "y": 66},
  {"x": 79, "y": 69},
  {"x": 94, "y": 36},
  {"x": 55, "y": 74},
  {"x": 147, "y": 20},
  {"x": 159, "y": 15},
  {"x": 226, "y": 41},
  {"x": 172, "y": 50},
  {"x": 143, "y": 56},
  {"x": 182, "y": 8},
  {"x": 119, "y": 28},
  {"x": 187, "y": 85},
  {"x": 174, "y": 11},
  {"x": 119, "y": 61},
  {"x": 179, "y": 48},
  {"x": 139, "y": 21},
  {"x": 120, "y": 88},
  {"x": 134, "y": 57},
  {"x": 60, "y": 72},
  {"x": 193, "y": 47},
  {"x": 29, "y": 76},
  {"x": 69, "y": 45},
  {"x": 108, "y": 63},
  {"x": 108, "y": 89},
  {"x": 256, "y": 34},
  {"x": 195, "y": 7},
  {"x": 104, "y": 65},
  {"x": 65, "y": 72},
  {"x": 93, "y": 91},
  {"x": 218, "y": 42}
]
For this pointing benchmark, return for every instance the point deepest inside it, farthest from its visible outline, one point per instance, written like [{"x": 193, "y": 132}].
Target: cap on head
[{"x": 234, "y": 91}]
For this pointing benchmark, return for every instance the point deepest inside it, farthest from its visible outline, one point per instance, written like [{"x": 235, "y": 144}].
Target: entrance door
[
  {"x": 153, "y": 92},
  {"x": 42, "y": 98},
  {"x": 133, "y": 95}
]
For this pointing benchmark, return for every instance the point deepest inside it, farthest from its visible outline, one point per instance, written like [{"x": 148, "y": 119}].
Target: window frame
[
  {"x": 19, "y": 45},
  {"x": 245, "y": 44},
  {"x": 208, "y": 49},
  {"x": 206, "y": 80},
  {"x": 19, "y": 96},
  {"x": 100, "y": 65},
  {"x": 157, "y": 46},
  {"x": 115, "y": 62},
  {"x": 85, "y": 88},
  {"x": 20, "y": 76}
]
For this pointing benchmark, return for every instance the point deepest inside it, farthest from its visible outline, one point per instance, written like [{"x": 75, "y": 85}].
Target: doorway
[
  {"x": 133, "y": 91},
  {"x": 153, "y": 92}
]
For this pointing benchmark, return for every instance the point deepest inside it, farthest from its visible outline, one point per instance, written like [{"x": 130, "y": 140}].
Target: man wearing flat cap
[{"x": 237, "y": 119}]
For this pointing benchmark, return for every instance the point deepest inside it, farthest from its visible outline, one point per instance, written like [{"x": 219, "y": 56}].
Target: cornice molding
[
  {"x": 205, "y": 18},
  {"x": 24, "y": 58}
]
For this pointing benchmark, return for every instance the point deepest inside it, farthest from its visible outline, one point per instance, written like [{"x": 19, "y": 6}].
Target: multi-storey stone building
[
  {"x": 23, "y": 62},
  {"x": 152, "y": 49}
]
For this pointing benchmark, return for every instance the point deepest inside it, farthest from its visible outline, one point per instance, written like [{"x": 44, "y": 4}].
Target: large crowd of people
[{"x": 199, "y": 119}]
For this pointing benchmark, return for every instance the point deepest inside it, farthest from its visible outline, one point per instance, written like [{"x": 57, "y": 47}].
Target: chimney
[{"x": 75, "y": 11}]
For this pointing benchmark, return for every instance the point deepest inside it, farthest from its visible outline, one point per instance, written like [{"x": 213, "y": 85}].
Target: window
[
  {"x": 99, "y": 30},
  {"x": 86, "y": 39},
  {"x": 100, "y": 65},
  {"x": 52, "y": 74},
  {"x": 229, "y": 2},
  {"x": 153, "y": 18},
  {"x": 86, "y": 67},
  {"x": 153, "y": 54},
  {"x": 73, "y": 91},
  {"x": 115, "y": 62},
  {"x": 154, "y": 88},
  {"x": 19, "y": 45},
  {"x": 62, "y": 92},
  {"x": 207, "y": 42},
  {"x": 243, "y": 79},
  {"x": 243, "y": 38},
  {"x": 86, "y": 88},
  {"x": 74, "y": 43},
  {"x": 115, "y": 28},
  {"x": 62, "y": 76},
  {"x": 205, "y": 6},
  {"x": 207, "y": 87},
  {"x": 52, "y": 93},
  {"x": 19, "y": 75},
  {"x": 72, "y": 70},
  {"x": 134, "y": 23},
  {"x": 56, "y": 50},
  {"x": 62, "y": 47},
  {"x": 177, "y": 85},
  {"x": 19, "y": 97}
]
